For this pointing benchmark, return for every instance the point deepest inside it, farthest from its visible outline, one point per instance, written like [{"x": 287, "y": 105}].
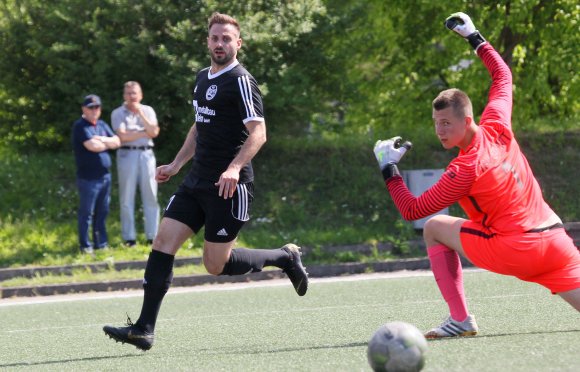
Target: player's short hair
[
  {"x": 222, "y": 19},
  {"x": 456, "y": 99},
  {"x": 131, "y": 84}
]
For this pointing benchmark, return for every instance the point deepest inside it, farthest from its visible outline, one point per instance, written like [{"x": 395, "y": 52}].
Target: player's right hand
[
  {"x": 164, "y": 172},
  {"x": 460, "y": 23}
]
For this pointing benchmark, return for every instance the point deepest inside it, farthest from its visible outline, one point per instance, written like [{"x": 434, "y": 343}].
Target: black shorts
[{"x": 201, "y": 205}]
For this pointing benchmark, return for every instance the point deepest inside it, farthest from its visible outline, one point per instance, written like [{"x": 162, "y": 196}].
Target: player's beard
[{"x": 224, "y": 60}]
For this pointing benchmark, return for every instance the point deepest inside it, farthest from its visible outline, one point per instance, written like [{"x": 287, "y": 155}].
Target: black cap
[{"x": 91, "y": 100}]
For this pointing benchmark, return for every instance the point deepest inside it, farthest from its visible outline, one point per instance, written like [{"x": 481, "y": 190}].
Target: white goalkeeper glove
[
  {"x": 389, "y": 153},
  {"x": 462, "y": 24}
]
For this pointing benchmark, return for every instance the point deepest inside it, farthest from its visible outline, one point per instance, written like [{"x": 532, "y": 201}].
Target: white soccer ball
[{"x": 397, "y": 346}]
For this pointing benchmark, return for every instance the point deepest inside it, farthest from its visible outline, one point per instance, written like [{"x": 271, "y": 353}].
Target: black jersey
[{"x": 224, "y": 103}]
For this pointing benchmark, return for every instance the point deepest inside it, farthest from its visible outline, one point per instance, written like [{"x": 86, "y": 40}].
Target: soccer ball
[{"x": 397, "y": 346}]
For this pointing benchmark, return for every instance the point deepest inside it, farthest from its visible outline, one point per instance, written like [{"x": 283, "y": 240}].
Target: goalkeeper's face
[{"x": 452, "y": 129}]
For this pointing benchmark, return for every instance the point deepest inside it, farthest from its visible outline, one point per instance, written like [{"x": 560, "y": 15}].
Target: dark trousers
[{"x": 95, "y": 196}]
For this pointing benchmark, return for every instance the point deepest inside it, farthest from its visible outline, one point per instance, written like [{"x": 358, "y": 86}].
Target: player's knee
[
  {"x": 159, "y": 241},
  {"x": 163, "y": 244},
  {"x": 429, "y": 229},
  {"x": 213, "y": 267}
]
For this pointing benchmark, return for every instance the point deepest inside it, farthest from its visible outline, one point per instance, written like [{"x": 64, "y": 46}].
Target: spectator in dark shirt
[{"x": 92, "y": 138}]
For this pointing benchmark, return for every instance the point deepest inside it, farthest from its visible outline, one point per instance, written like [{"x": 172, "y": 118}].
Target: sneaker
[
  {"x": 295, "y": 271},
  {"x": 130, "y": 243},
  {"x": 87, "y": 250},
  {"x": 453, "y": 328},
  {"x": 132, "y": 334}
]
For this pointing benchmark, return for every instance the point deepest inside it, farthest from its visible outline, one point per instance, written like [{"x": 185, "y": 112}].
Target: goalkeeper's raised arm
[{"x": 499, "y": 106}]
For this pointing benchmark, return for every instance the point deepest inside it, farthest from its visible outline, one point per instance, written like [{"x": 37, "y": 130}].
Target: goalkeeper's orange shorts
[{"x": 547, "y": 257}]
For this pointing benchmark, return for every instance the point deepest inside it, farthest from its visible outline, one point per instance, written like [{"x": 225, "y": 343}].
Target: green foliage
[
  {"x": 387, "y": 60},
  {"x": 330, "y": 70},
  {"x": 325, "y": 67},
  {"x": 55, "y": 53},
  {"x": 38, "y": 205},
  {"x": 400, "y": 242},
  {"x": 295, "y": 202},
  {"x": 315, "y": 192},
  {"x": 307, "y": 192}
]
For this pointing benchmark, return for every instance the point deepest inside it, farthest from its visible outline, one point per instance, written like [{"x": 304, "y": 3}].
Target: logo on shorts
[
  {"x": 222, "y": 232},
  {"x": 211, "y": 92}
]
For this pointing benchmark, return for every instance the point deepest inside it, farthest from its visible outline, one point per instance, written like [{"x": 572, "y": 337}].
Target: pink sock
[{"x": 446, "y": 268}]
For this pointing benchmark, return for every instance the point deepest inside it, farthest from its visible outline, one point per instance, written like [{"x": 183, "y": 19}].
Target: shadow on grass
[
  {"x": 504, "y": 335},
  {"x": 282, "y": 350},
  {"x": 49, "y": 362}
]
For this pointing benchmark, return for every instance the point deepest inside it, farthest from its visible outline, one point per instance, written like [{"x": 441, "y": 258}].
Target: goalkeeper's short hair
[{"x": 456, "y": 99}]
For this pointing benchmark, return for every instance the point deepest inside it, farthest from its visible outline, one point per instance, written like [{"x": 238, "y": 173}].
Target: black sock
[
  {"x": 244, "y": 261},
  {"x": 158, "y": 276}
]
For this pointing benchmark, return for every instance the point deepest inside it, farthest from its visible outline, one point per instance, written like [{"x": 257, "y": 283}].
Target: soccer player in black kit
[{"x": 217, "y": 193}]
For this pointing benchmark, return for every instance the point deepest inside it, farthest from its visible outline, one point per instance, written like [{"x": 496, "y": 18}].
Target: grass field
[{"x": 268, "y": 328}]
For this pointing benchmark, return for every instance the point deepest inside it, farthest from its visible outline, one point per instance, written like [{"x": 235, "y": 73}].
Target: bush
[{"x": 311, "y": 192}]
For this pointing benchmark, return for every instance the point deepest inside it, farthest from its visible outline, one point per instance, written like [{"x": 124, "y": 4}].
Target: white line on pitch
[{"x": 213, "y": 287}]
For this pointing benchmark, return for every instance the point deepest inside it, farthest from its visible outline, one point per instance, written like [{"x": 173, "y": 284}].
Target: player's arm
[
  {"x": 453, "y": 185},
  {"x": 499, "y": 106},
  {"x": 187, "y": 149},
  {"x": 450, "y": 188},
  {"x": 252, "y": 113},
  {"x": 164, "y": 172},
  {"x": 229, "y": 179}
]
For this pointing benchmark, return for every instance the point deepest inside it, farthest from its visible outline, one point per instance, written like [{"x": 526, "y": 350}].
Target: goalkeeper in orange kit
[{"x": 511, "y": 230}]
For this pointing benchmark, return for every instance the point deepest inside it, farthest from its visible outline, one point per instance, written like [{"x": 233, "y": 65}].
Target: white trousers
[{"x": 136, "y": 168}]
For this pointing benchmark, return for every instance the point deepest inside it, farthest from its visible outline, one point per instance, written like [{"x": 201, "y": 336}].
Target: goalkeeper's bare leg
[{"x": 572, "y": 297}]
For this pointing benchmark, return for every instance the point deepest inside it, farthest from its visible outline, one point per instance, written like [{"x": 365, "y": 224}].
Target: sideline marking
[{"x": 214, "y": 287}]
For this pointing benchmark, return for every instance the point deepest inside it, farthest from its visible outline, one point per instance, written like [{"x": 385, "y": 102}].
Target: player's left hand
[
  {"x": 227, "y": 183},
  {"x": 460, "y": 23},
  {"x": 391, "y": 151}
]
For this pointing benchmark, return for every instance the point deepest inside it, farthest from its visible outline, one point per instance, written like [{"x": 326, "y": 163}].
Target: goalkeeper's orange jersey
[{"x": 491, "y": 178}]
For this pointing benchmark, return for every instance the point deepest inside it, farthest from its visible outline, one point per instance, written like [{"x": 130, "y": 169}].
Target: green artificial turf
[{"x": 522, "y": 328}]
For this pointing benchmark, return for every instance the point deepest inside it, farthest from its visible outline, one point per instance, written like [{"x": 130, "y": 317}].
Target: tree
[
  {"x": 55, "y": 53},
  {"x": 389, "y": 59},
  {"x": 326, "y": 67}
]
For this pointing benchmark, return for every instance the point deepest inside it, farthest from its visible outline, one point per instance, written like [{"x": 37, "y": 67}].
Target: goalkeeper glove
[
  {"x": 389, "y": 153},
  {"x": 462, "y": 24}
]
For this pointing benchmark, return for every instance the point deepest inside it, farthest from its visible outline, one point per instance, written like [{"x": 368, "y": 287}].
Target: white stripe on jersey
[
  {"x": 251, "y": 96},
  {"x": 247, "y": 98}
]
